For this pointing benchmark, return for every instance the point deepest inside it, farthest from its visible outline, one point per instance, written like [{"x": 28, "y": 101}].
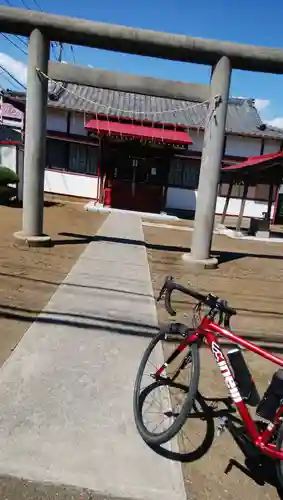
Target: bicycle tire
[
  {"x": 279, "y": 463},
  {"x": 165, "y": 436}
]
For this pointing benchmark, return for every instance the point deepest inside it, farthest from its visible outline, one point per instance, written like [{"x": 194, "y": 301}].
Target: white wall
[
  {"x": 237, "y": 145},
  {"x": 271, "y": 146},
  {"x": 70, "y": 184},
  {"x": 185, "y": 199},
  {"x": 56, "y": 120},
  {"x": 8, "y": 157},
  {"x": 182, "y": 199},
  {"x": 252, "y": 208},
  {"x": 242, "y": 146}
]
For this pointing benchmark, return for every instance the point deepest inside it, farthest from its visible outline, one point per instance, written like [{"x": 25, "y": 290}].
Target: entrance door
[
  {"x": 137, "y": 184},
  {"x": 279, "y": 210},
  {"x": 147, "y": 184}
]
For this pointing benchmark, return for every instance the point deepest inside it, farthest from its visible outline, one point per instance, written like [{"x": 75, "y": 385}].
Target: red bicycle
[{"x": 184, "y": 363}]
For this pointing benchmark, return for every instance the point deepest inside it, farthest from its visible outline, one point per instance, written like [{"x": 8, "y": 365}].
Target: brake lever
[
  {"x": 221, "y": 318},
  {"x": 227, "y": 321},
  {"x": 161, "y": 294},
  {"x": 224, "y": 316},
  {"x": 164, "y": 288}
]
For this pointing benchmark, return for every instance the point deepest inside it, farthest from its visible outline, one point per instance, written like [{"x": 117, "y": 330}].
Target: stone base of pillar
[
  {"x": 25, "y": 240},
  {"x": 211, "y": 263}
]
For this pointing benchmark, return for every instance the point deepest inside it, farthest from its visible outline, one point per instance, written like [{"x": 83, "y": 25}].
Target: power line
[
  {"x": 73, "y": 53},
  {"x": 17, "y": 36},
  {"x": 12, "y": 76},
  {"x": 9, "y": 80},
  {"x": 21, "y": 40},
  {"x": 25, "y": 4},
  {"x": 60, "y": 48},
  {"x": 58, "y": 45},
  {"x": 37, "y": 5},
  {"x": 13, "y": 43},
  {"x": 40, "y": 8}
]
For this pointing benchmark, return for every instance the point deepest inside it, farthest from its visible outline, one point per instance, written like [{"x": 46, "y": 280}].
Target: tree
[
  {"x": 8, "y": 179},
  {"x": 7, "y": 176}
]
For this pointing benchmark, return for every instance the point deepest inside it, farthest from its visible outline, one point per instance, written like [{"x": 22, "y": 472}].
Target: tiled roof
[{"x": 242, "y": 116}]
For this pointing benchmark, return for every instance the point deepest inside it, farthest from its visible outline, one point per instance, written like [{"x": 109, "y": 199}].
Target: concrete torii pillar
[
  {"x": 35, "y": 139},
  {"x": 210, "y": 167}
]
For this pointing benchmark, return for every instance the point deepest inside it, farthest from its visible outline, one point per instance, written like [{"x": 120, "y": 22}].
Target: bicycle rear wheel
[
  {"x": 184, "y": 369},
  {"x": 279, "y": 463}
]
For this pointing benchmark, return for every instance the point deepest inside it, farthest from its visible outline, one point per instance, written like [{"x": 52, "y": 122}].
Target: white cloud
[
  {"x": 261, "y": 104},
  {"x": 16, "y": 68},
  {"x": 276, "y": 122}
]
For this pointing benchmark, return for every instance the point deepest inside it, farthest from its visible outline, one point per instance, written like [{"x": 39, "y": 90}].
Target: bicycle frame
[{"x": 209, "y": 331}]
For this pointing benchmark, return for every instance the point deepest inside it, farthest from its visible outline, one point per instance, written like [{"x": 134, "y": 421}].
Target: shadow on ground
[
  {"x": 19, "y": 204},
  {"x": 86, "y": 322},
  {"x": 223, "y": 256},
  {"x": 25, "y": 315},
  {"x": 258, "y": 467}
]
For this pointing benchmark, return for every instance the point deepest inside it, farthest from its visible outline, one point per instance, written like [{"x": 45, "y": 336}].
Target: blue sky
[{"x": 257, "y": 22}]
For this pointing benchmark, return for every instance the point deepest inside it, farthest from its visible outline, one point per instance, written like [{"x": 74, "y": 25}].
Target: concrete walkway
[{"x": 66, "y": 391}]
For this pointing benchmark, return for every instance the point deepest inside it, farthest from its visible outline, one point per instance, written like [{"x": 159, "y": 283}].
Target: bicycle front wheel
[{"x": 163, "y": 398}]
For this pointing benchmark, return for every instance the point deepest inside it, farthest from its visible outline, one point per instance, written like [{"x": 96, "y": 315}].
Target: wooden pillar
[
  {"x": 166, "y": 181},
  {"x": 242, "y": 208},
  {"x": 226, "y": 203},
  {"x": 276, "y": 203},
  {"x": 269, "y": 206}
]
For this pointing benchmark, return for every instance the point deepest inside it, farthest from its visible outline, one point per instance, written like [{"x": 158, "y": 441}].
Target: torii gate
[{"x": 221, "y": 56}]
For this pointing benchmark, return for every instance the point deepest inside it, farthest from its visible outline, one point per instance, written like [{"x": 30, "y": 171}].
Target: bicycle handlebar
[{"x": 210, "y": 300}]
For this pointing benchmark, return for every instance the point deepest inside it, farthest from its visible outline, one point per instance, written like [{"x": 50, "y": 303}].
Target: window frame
[
  {"x": 68, "y": 144},
  {"x": 183, "y": 163}
]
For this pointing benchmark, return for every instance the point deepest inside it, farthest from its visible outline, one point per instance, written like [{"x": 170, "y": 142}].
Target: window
[
  {"x": 184, "y": 172},
  {"x": 190, "y": 175},
  {"x": 83, "y": 159},
  {"x": 56, "y": 154},
  {"x": 175, "y": 174},
  {"x": 71, "y": 156}
]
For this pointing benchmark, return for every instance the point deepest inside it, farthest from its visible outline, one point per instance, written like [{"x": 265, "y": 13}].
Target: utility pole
[{"x": 60, "y": 52}]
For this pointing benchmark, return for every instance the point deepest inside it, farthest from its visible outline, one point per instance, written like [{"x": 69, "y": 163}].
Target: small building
[
  {"x": 11, "y": 127},
  {"x": 143, "y": 153}
]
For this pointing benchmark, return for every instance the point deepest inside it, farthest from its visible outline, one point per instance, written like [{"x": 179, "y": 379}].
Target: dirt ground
[
  {"x": 250, "y": 276},
  {"x": 29, "y": 277}
]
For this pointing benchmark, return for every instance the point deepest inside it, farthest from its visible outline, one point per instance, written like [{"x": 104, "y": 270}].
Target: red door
[{"x": 135, "y": 185}]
